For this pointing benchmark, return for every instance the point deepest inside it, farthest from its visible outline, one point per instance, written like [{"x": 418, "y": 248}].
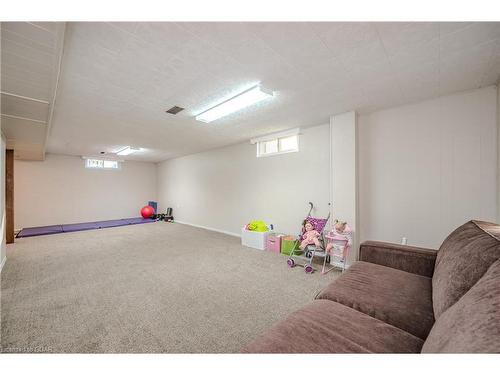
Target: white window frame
[
  {"x": 87, "y": 166},
  {"x": 260, "y": 145}
]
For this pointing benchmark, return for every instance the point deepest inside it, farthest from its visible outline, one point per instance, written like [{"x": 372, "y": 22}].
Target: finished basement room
[{"x": 250, "y": 187}]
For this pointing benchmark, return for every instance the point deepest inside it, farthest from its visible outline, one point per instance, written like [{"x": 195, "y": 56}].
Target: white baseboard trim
[
  {"x": 209, "y": 228},
  {"x": 3, "y": 263}
]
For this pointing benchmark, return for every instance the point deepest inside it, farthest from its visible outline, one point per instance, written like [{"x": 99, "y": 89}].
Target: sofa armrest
[{"x": 411, "y": 259}]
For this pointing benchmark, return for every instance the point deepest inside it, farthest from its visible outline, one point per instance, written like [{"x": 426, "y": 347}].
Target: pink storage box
[{"x": 273, "y": 243}]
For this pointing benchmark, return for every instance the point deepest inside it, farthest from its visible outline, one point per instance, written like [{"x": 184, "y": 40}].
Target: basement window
[
  {"x": 276, "y": 146},
  {"x": 101, "y": 164}
]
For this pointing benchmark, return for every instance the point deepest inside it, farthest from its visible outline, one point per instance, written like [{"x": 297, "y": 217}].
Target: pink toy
[
  {"x": 273, "y": 243},
  {"x": 340, "y": 238},
  {"x": 310, "y": 236}
]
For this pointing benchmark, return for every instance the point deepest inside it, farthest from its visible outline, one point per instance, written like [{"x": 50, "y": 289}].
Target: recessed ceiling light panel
[
  {"x": 127, "y": 151},
  {"x": 240, "y": 101}
]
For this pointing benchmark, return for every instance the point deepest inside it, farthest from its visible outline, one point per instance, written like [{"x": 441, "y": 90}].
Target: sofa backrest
[
  {"x": 462, "y": 260},
  {"x": 472, "y": 325}
]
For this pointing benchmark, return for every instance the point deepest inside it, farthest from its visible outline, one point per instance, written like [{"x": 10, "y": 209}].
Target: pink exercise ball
[{"x": 147, "y": 212}]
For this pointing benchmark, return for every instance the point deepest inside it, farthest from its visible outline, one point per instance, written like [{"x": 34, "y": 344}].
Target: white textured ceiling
[
  {"x": 30, "y": 56},
  {"x": 118, "y": 79}
]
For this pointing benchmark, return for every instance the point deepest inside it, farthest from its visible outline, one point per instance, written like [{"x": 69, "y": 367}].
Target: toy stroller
[{"x": 311, "y": 250}]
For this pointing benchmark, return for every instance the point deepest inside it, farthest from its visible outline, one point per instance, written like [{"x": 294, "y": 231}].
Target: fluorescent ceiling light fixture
[
  {"x": 127, "y": 151},
  {"x": 245, "y": 99}
]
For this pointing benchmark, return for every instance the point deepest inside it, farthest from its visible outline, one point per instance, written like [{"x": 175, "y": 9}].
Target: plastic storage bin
[
  {"x": 288, "y": 243},
  {"x": 256, "y": 240},
  {"x": 273, "y": 243}
]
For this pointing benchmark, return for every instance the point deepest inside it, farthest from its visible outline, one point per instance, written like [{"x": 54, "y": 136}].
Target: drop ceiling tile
[
  {"x": 361, "y": 75},
  {"x": 9, "y": 59},
  {"x": 98, "y": 34},
  {"x": 88, "y": 53},
  {"x": 200, "y": 58},
  {"x": 474, "y": 34},
  {"x": 451, "y": 27},
  {"x": 471, "y": 59},
  {"x": 24, "y": 88},
  {"x": 16, "y": 106},
  {"x": 166, "y": 86},
  {"x": 28, "y": 53},
  {"x": 142, "y": 55},
  {"x": 364, "y": 58},
  {"x": 414, "y": 57},
  {"x": 134, "y": 77},
  {"x": 51, "y": 27},
  {"x": 26, "y": 30},
  {"x": 419, "y": 76},
  {"x": 318, "y": 71},
  {"x": 28, "y": 131},
  {"x": 19, "y": 39},
  {"x": 224, "y": 35},
  {"x": 400, "y": 37},
  {"x": 128, "y": 27},
  {"x": 342, "y": 38},
  {"x": 173, "y": 37},
  {"x": 73, "y": 85},
  {"x": 296, "y": 42},
  {"x": 453, "y": 81},
  {"x": 255, "y": 53},
  {"x": 387, "y": 85},
  {"x": 282, "y": 78},
  {"x": 89, "y": 61},
  {"x": 29, "y": 77}
]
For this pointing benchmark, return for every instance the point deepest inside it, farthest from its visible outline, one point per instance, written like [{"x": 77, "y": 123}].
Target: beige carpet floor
[{"x": 148, "y": 288}]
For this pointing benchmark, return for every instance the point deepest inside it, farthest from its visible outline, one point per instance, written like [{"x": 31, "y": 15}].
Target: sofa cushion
[
  {"x": 327, "y": 327},
  {"x": 462, "y": 260},
  {"x": 399, "y": 298},
  {"x": 472, "y": 325}
]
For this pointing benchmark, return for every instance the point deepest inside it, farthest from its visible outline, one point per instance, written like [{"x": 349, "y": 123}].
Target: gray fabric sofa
[{"x": 403, "y": 299}]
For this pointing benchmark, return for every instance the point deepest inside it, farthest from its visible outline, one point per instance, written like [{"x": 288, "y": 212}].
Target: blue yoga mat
[{"x": 65, "y": 228}]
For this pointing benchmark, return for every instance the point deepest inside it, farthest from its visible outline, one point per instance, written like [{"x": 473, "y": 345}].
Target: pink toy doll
[
  {"x": 341, "y": 232},
  {"x": 310, "y": 236}
]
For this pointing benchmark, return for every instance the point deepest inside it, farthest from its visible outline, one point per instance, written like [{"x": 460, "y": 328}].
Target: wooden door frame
[{"x": 9, "y": 196}]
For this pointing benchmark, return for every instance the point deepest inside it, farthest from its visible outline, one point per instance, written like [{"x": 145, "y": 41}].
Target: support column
[{"x": 344, "y": 174}]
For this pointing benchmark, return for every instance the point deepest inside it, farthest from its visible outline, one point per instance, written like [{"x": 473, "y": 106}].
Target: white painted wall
[
  {"x": 426, "y": 168},
  {"x": 61, "y": 190},
  {"x": 227, "y": 187},
  {"x": 345, "y": 174},
  {"x": 3, "y": 255}
]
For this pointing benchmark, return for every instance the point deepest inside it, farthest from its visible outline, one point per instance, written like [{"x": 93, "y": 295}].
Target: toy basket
[
  {"x": 256, "y": 240},
  {"x": 273, "y": 243},
  {"x": 289, "y": 243}
]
